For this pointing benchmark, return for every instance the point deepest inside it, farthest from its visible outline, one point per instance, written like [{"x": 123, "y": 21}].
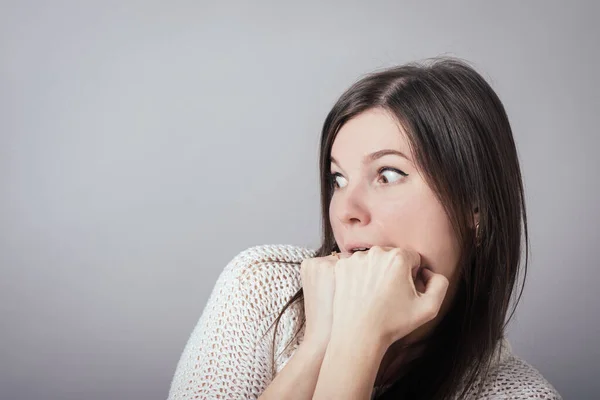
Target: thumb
[{"x": 436, "y": 286}]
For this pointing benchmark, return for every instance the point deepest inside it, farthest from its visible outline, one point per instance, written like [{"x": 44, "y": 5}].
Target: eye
[
  {"x": 337, "y": 180},
  {"x": 391, "y": 175}
]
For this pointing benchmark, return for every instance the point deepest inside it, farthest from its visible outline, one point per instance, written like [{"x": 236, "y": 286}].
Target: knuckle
[
  {"x": 303, "y": 267},
  {"x": 431, "y": 309},
  {"x": 306, "y": 263},
  {"x": 399, "y": 254},
  {"x": 446, "y": 282}
]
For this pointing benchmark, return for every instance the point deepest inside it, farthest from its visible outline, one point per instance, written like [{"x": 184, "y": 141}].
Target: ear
[{"x": 475, "y": 217}]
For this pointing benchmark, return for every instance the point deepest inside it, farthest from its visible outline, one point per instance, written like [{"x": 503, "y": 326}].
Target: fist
[
  {"x": 376, "y": 294},
  {"x": 318, "y": 283}
]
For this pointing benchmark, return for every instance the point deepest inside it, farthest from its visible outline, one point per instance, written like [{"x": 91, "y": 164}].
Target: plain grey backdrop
[{"x": 144, "y": 144}]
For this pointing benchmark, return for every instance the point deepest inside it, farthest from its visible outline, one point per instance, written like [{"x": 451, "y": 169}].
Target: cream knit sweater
[{"x": 227, "y": 357}]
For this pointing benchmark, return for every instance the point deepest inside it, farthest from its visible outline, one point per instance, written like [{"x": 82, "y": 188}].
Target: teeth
[{"x": 360, "y": 249}]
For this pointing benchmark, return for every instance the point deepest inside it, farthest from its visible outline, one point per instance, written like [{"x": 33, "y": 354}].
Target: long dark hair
[{"x": 461, "y": 138}]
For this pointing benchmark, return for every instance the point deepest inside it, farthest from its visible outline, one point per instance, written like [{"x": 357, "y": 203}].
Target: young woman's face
[{"x": 380, "y": 198}]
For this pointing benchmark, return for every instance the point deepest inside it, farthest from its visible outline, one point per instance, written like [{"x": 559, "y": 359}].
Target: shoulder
[
  {"x": 278, "y": 253},
  {"x": 514, "y": 378},
  {"x": 265, "y": 276},
  {"x": 253, "y": 263}
]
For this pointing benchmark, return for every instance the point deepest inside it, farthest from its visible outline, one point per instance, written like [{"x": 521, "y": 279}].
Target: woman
[{"x": 423, "y": 209}]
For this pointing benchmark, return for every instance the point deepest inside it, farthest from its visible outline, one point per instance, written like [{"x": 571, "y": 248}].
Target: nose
[{"x": 351, "y": 207}]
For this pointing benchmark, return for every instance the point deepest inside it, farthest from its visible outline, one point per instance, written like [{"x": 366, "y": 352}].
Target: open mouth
[{"x": 354, "y": 250}]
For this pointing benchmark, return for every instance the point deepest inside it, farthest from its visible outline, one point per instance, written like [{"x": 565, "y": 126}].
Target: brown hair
[{"x": 461, "y": 138}]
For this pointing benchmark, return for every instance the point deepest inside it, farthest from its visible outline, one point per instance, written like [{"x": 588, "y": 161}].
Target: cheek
[
  {"x": 421, "y": 223},
  {"x": 398, "y": 220}
]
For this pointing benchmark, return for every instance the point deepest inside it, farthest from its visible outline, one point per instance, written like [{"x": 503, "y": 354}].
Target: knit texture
[{"x": 229, "y": 355}]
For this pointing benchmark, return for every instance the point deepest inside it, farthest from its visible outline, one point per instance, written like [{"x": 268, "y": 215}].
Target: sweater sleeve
[{"x": 228, "y": 355}]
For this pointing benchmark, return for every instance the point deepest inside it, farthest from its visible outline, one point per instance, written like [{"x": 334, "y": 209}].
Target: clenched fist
[
  {"x": 318, "y": 283},
  {"x": 375, "y": 294}
]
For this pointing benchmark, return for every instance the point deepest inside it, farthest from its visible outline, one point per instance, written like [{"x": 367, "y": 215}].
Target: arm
[
  {"x": 298, "y": 378},
  {"x": 349, "y": 368}
]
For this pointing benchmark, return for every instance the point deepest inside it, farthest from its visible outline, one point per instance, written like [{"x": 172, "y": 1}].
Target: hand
[
  {"x": 318, "y": 283},
  {"x": 376, "y": 296}
]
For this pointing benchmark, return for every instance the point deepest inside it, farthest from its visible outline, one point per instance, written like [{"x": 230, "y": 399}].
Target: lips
[{"x": 350, "y": 248}]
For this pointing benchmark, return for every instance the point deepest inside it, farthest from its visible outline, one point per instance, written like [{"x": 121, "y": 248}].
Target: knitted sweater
[{"x": 228, "y": 355}]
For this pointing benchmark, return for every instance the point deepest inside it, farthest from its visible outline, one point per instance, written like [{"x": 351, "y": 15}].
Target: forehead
[{"x": 366, "y": 133}]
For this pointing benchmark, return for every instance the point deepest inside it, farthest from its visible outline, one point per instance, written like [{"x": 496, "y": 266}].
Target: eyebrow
[{"x": 378, "y": 154}]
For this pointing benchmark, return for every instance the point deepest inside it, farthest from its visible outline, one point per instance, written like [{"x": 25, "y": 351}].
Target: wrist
[
  {"x": 315, "y": 344},
  {"x": 359, "y": 341},
  {"x": 350, "y": 366}
]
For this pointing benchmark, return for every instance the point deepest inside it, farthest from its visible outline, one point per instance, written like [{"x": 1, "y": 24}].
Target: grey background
[{"x": 145, "y": 144}]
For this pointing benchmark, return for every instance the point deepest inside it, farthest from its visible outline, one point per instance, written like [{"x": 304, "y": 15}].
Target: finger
[
  {"x": 412, "y": 257},
  {"x": 426, "y": 274},
  {"x": 433, "y": 281},
  {"x": 411, "y": 261},
  {"x": 436, "y": 286},
  {"x": 331, "y": 258},
  {"x": 415, "y": 272}
]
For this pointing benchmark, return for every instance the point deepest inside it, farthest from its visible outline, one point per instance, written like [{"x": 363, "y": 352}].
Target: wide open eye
[
  {"x": 337, "y": 180},
  {"x": 391, "y": 175}
]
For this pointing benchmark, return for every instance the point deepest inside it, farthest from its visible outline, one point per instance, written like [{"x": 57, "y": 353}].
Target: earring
[
  {"x": 336, "y": 254},
  {"x": 477, "y": 237}
]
